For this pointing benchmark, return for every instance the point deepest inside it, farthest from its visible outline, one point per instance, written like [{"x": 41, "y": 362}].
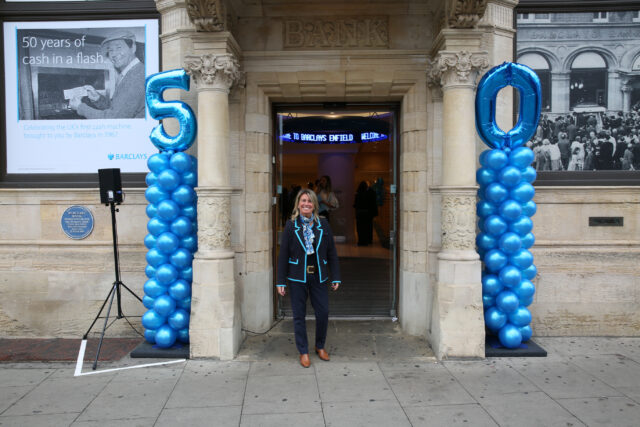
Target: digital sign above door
[{"x": 333, "y": 138}]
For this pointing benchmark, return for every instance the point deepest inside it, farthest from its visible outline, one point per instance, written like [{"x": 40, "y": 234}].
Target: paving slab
[
  {"x": 489, "y": 377},
  {"x": 449, "y": 415},
  {"x": 365, "y": 414},
  {"x": 604, "y": 411},
  {"x": 352, "y": 381},
  {"x": 281, "y": 394},
  {"x": 279, "y": 368},
  {"x": 136, "y": 422},
  {"x": 13, "y": 377},
  {"x": 311, "y": 419},
  {"x": 10, "y": 395},
  {"x": 228, "y": 416},
  {"x": 206, "y": 388},
  {"x": 38, "y": 420},
  {"x": 614, "y": 370}
]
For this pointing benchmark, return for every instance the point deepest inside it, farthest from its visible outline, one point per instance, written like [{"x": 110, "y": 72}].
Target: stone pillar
[
  {"x": 215, "y": 328},
  {"x": 457, "y": 323},
  {"x": 626, "y": 97},
  {"x": 560, "y": 92},
  {"x": 614, "y": 87}
]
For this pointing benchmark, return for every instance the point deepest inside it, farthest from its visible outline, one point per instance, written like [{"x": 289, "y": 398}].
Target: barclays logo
[
  {"x": 110, "y": 156},
  {"x": 127, "y": 156}
]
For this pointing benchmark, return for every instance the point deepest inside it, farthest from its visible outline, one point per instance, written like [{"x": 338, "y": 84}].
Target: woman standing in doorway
[
  {"x": 307, "y": 254},
  {"x": 327, "y": 199}
]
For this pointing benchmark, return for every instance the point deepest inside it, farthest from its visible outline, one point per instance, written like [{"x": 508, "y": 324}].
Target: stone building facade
[{"x": 245, "y": 55}]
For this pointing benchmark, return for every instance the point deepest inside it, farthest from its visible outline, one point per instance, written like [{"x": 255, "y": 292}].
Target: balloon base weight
[
  {"x": 493, "y": 348},
  {"x": 146, "y": 350}
]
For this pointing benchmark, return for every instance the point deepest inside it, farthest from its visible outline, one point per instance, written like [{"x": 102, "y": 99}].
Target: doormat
[
  {"x": 146, "y": 350},
  {"x": 493, "y": 348},
  {"x": 63, "y": 349}
]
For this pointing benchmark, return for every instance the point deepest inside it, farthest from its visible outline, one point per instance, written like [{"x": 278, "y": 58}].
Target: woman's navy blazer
[{"x": 292, "y": 260}]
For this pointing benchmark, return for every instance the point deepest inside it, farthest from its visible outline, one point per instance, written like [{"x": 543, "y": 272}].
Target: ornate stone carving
[
  {"x": 214, "y": 222},
  {"x": 215, "y": 71},
  {"x": 458, "y": 221},
  {"x": 464, "y": 13},
  {"x": 456, "y": 68},
  {"x": 359, "y": 32},
  {"x": 208, "y": 15}
]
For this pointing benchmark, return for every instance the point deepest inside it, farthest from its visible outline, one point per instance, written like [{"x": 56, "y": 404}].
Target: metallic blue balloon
[
  {"x": 494, "y": 319},
  {"x": 185, "y": 304},
  {"x": 507, "y": 301},
  {"x": 150, "y": 241},
  {"x": 183, "y": 195},
  {"x": 181, "y": 226},
  {"x": 485, "y": 176},
  {"x": 183, "y": 335},
  {"x": 147, "y": 301},
  {"x": 187, "y": 274},
  {"x": 488, "y": 301},
  {"x": 150, "y": 271},
  {"x": 522, "y": 192},
  {"x": 151, "y": 178},
  {"x": 166, "y": 274},
  {"x": 525, "y": 289},
  {"x": 494, "y": 260},
  {"x": 154, "y": 194},
  {"x": 481, "y": 193},
  {"x": 164, "y": 305},
  {"x": 521, "y": 157},
  {"x": 491, "y": 285},
  {"x": 481, "y": 225},
  {"x": 189, "y": 212},
  {"x": 496, "y": 192},
  {"x": 494, "y": 225},
  {"x": 520, "y": 317},
  {"x": 527, "y": 83},
  {"x": 150, "y": 335},
  {"x": 510, "y": 243},
  {"x": 482, "y": 159},
  {"x": 526, "y": 302},
  {"x": 158, "y": 162},
  {"x": 529, "y": 174},
  {"x": 152, "y": 210},
  {"x": 179, "y": 290},
  {"x": 510, "y": 276},
  {"x": 526, "y": 332},
  {"x": 152, "y": 320},
  {"x": 156, "y": 258},
  {"x": 530, "y": 272},
  {"x": 167, "y": 243},
  {"x": 484, "y": 208},
  {"x": 509, "y": 336},
  {"x": 168, "y": 210},
  {"x": 521, "y": 259},
  {"x": 190, "y": 243},
  {"x": 496, "y": 159},
  {"x": 179, "y": 319},
  {"x": 529, "y": 209},
  {"x": 521, "y": 226},
  {"x": 485, "y": 241},
  {"x": 156, "y": 226},
  {"x": 181, "y": 258},
  {"x": 510, "y": 210},
  {"x": 528, "y": 240},
  {"x": 153, "y": 288},
  {"x": 165, "y": 336},
  {"x": 169, "y": 179},
  {"x": 190, "y": 178},
  {"x": 160, "y": 109},
  {"x": 181, "y": 162},
  {"x": 510, "y": 176}
]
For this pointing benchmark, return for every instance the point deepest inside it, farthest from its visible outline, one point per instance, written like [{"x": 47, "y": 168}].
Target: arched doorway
[{"x": 588, "y": 82}]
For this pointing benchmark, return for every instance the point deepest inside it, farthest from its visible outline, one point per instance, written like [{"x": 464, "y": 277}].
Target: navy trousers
[{"x": 319, "y": 294}]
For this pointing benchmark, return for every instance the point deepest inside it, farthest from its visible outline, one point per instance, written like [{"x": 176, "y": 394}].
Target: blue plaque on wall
[{"x": 77, "y": 222}]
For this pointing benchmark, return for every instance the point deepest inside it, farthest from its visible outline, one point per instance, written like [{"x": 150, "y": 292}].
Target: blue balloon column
[
  {"x": 172, "y": 216},
  {"x": 506, "y": 204}
]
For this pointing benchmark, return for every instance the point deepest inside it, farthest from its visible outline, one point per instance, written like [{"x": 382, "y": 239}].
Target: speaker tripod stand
[{"x": 116, "y": 289}]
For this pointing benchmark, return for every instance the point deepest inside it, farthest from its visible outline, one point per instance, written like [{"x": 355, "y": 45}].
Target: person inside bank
[
  {"x": 307, "y": 258},
  {"x": 128, "y": 100},
  {"x": 327, "y": 199}
]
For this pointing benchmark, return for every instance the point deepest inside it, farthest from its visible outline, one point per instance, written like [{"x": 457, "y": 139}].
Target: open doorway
[{"x": 349, "y": 150}]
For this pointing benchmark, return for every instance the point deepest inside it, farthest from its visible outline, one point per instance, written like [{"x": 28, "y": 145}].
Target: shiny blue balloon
[
  {"x": 152, "y": 210},
  {"x": 187, "y": 274},
  {"x": 183, "y": 195},
  {"x": 482, "y": 159},
  {"x": 181, "y": 162},
  {"x": 150, "y": 271},
  {"x": 160, "y": 109},
  {"x": 520, "y": 317},
  {"x": 526, "y": 332},
  {"x": 190, "y": 179},
  {"x": 526, "y": 302},
  {"x": 183, "y": 335},
  {"x": 485, "y": 241},
  {"x": 521, "y": 259},
  {"x": 495, "y": 225},
  {"x": 152, "y": 320},
  {"x": 481, "y": 225},
  {"x": 185, "y": 304},
  {"x": 485, "y": 176},
  {"x": 154, "y": 194},
  {"x": 530, "y": 272},
  {"x": 150, "y": 335},
  {"x": 181, "y": 226},
  {"x": 521, "y": 157},
  {"x": 481, "y": 193},
  {"x": 179, "y": 319},
  {"x": 496, "y": 192},
  {"x": 181, "y": 258},
  {"x": 156, "y": 226},
  {"x": 529, "y": 209},
  {"x": 491, "y": 285},
  {"x": 527, "y": 83},
  {"x": 150, "y": 241},
  {"x": 169, "y": 180},
  {"x": 529, "y": 174},
  {"x": 164, "y": 305},
  {"x": 510, "y": 276},
  {"x": 190, "y": 243},
  {"x": 153, "y": 288},
  {"x": 165, "y": 336},
  {"x": 510, "y": 176},
  {"x": 147, "y": 301},
  {"x": 167, "y": 243},
  {"x": 522, "y": 192},
  {"x": 156, "y": 258},
  {"x": 510, "y": 243},
  {"x": 158, "y": 162},
  {"x": 510, "y": 210},
  {"x": 180, "y": 290},
  {"x": 166, "y": 274},
  {"x": 521, "y": 226},
  {"x": 494, "y": 260},
  {"x": 168, "y": 210},
  {"x": 507, "y": 301},
  {"x": 496, "y": 159},
  {"x": 484, "y": 208},
  {"x": 151, "y": 179},
  {"x": 525, "y": 289},
  {"x": 189, "y": 212},
  {"x": 528, "y": 240},
  {"x": 488, "y": 301},
  {"x": 494, "y": 319},
  {"x": 509, "y": 336}
]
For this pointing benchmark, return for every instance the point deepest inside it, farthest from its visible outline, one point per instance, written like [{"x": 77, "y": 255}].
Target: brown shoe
[
  {"x": 322, "y": 354},
  {"x": 304, "y": 360}
]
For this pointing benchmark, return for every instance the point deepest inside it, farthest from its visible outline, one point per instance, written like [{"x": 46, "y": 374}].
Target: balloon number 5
[{"x": 160, "y": 109}]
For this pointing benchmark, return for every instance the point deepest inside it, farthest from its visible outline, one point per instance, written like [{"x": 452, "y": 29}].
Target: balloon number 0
[
  {"x": 172, "y": 238},
  {"x": 506, "y": 204}
]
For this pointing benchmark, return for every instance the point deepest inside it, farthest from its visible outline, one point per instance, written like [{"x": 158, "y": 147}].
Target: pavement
[{"x": 377, "y": 377}]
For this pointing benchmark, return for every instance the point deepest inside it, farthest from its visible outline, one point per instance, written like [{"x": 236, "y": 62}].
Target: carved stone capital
[
  {"x": 458, "y": 221},
  {"x": 626, "y": 88},
  {"x": 212, "y": 71},
  {"x": 464, "y": 13},
  {"x": 214, "y": 220},
  {"x": 210, "y": 15},
  {"x": 456, "y": 68}
]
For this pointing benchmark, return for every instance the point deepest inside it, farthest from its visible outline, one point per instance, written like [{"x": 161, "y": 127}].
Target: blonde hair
[{"x": 314, "y": 201}]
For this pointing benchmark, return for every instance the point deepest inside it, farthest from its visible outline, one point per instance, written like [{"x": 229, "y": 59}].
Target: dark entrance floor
[{"x": 63, "y": 349}]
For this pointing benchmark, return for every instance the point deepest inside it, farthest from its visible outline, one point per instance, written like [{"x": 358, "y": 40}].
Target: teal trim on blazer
[
  {"x": 291, "y": 262},
  {"x": 317, "y": 252},
  {"x": 304, "y": 250}
]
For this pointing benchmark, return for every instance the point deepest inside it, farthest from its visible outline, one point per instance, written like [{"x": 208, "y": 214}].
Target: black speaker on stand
[{"x": 110, "y": 195}]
